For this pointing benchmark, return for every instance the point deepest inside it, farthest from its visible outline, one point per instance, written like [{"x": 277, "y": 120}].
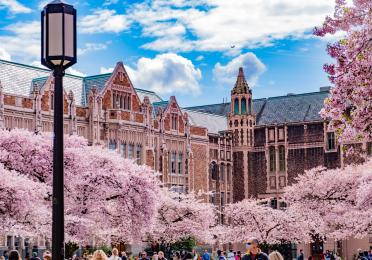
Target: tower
[{"x": 241, "y": 122}]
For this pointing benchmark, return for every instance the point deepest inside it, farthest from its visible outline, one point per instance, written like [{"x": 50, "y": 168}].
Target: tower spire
[{"x": 241, "y": 85}]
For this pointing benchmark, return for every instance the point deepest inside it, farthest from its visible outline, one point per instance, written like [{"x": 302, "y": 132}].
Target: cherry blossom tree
[
  {"x": 182, "y": 216},
  {"x": 23, "y": 204},
  {"x": 254, "y": 218},
  {"x": 106, "y": 197},
  {"x": 349, "y": 107},
  {"x": 334, "y": 203}
]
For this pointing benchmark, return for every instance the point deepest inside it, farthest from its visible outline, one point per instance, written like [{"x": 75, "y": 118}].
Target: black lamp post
[{"x": 58, "y": 52}]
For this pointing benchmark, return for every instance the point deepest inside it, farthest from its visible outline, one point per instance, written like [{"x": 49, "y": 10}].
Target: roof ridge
[
  {"x": 300, "y": 94},
  {"x": 202, "y": 112},
  {"x": 97, "y": 75},
  {"x": 24, "y": 65}
]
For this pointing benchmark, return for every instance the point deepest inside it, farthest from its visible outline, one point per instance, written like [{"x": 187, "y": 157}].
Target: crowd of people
[{"x": 253, "y": 252}]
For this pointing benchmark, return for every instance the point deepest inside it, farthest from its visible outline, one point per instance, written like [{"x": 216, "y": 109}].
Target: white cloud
[
  {"x": 4, "y": 55},
  {"x": 199, "y": 58},
  {"x": 104, "y": 21},
  {"x": 110, "y": 2},
  {"x": 104, "y": 70},
  {"x": 167, "y": 73},
  {"x": 14, "y": 6},
  {"x": 22, "y": 40},
  {"x": 88, "y": 47},
  {"x": 226, "y": 74},
  {"x": 75, "y": 72},
  {"x": 219, "y": 24}
]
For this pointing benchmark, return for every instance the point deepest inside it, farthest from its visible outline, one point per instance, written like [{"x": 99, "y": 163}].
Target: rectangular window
[
  {"x": 123, "y": 149},
  {"x": 173, "y": 162},
  {"x": 139, "y": 154},
  {"x": 222, "y": 155},
  {"x": 228, "y": 155},
  {"x": 228, "y": 198},
  {"x": 272, "y": 159},
  {"x": 281, "y": 134},
  {"x": 271, "y": 134},
  {"x": 180, "y": 163},
  {"x": 174, "y": 121},
  {"x": 112, "y": 145},
  {"x": 222, "y": 172},
  {"x": 222, "y": 199},
  {"x": 131, "y": 151},
  {"x": 331, "y": 141},
  {"x": 281, "y": 158}
]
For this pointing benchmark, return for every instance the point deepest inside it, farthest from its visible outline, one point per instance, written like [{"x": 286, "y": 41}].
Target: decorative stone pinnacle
[{"x": 241, "y": 85}]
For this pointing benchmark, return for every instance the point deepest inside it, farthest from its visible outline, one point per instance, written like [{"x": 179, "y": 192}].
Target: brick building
[{"x": 248, "y": 147}]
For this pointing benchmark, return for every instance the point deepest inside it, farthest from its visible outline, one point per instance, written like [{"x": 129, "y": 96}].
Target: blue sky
[{"x": 188, "y": 48}]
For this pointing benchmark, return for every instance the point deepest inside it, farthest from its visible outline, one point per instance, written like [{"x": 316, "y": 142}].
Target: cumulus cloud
[
  {"x": 88, "y": 47},
  {"x": 4, "y": 55},
  {"x": 14, "y": 6},
  {"x": 22, "y": 40},
  {"x": 167, "y": 73},
  {"x": 226, "y": 74},
  {"x": 104, "y": 20},
  {"x": 104, "y": 70},
  {"x": 75, "y": 72},
  {"x": 215, "y": 25}
]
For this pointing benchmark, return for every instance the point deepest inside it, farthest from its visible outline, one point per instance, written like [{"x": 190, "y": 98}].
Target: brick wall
[
  {"x": 27, "y": 103},
  {"x": 45, "y": 101},
  {"x": 200, "y": 169},
  {"x": 314, "y": 157},
  {"x": 107, "y": 100},
  {"x": 136, "y": 105},
  {"x": 238, "y": 176},
  {"x": 295, "y": 134},
  {"x": 139, "y": 118},
  {"x": 194, "y": 130},
  {"x": 296, "y": 163},
  {"x": 81, "y": 112},
  {"x": 257, "y": 178},
  {"x": 315, "y": 133}
]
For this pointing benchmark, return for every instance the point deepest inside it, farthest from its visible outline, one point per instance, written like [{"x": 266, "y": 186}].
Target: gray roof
[
  {"x": 214, "y": 123},
  {"x": 277, "y": 110},
  {"x": 18, "y": 79}
]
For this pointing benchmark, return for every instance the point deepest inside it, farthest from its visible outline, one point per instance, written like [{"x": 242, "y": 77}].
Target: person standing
[
  {"x": 115, "y": 254},
  {"x": 34, "y": 256},
  {"x": 301, "y": 256},
  {"x": 161, "y": 255},
  {"x": 99, "y": 255},
  {"x": 14, "y": 255},
  {"x": 230, "y": 255},
  {"x": 253, "y": 251},
  {"x": 275, "y": 255},
  {"x": 220, "y": 255},
  {"x": 206, "y": 255}
]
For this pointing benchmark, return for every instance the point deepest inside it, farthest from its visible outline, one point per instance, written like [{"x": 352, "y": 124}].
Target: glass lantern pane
[
  {"x": 55, "y": 34},
  {"x": 44, "y": 35},
  {"x": 69, "y": 35}
]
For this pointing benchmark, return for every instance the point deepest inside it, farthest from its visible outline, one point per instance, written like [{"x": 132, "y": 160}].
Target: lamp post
[{"x": 58, "y": 52}]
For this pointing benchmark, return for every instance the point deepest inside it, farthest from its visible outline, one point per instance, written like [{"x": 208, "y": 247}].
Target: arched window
[
  {"x": 214, "y": 170},
  {"x": 249, "y": 106},
  {"x": 236, "y": 106},
  {"x": 244, "y": 106}
]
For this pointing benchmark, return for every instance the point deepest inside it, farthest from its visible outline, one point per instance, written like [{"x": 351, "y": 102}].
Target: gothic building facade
[{"x": 245, "y": 148}]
